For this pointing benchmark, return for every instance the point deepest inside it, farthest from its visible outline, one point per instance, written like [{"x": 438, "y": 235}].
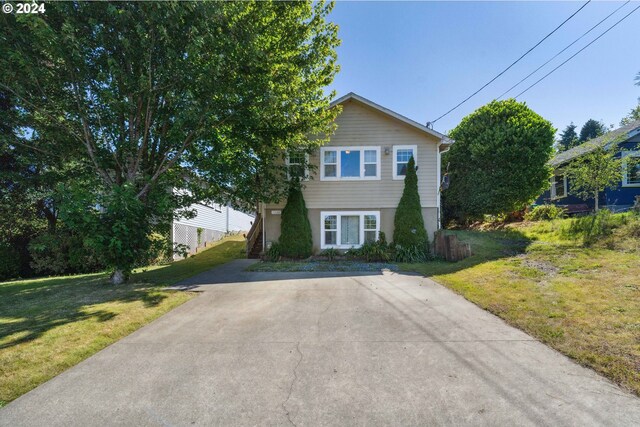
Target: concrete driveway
[{"x": 325, "y": 349}]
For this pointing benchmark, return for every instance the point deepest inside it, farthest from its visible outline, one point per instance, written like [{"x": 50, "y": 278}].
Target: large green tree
[
  {"x": 592, "y": 129},
  {"x": 498, "y": 163},
  {"x": 199, "y": 97},
  {"x": 568, "y": 138}
]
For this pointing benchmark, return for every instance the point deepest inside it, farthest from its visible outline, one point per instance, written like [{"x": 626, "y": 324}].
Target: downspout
[
  {"x": 227, "y": 218},
  {"x": 264, "y": 228},
  {"x": 439, "y": 169}
]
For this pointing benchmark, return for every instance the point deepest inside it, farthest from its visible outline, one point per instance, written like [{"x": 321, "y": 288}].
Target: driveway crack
[{"x": 293, "y": 382}]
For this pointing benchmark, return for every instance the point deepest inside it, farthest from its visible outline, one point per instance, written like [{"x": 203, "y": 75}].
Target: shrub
[
  {"x": 330, "y": 253},
  {"x": 295, "y": 229},
  {"x": 9, "y": 262},
  {"x": 409, "y": 228},
  {"x": 274, "y": 253},
  {"x": 62, "y": 252},
  {"x": 375, "y": 251},
  {"x": 411, "y": 254},
  {"x": 545, "y": 213},
  {"x": 498, "y": 163}
]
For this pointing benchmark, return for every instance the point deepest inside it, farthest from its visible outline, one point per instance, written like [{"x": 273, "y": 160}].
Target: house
[
  {"x": 619, "y": 198},
  {"x": 353, "y": 191},
  {"x": 211, "y": 223}
]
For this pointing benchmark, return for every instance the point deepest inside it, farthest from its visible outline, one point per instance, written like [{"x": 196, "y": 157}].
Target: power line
[
  {"x": 559, "y": 53},
  {"x": 572, "y": 56},
  {"x": 513, "y": 63}
]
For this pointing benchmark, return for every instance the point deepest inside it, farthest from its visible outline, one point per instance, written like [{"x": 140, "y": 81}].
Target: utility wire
[
  {"x": 559, "y": 53},
  {"x": 572, "y": 56},
  {"x": 512, "y": 64}
]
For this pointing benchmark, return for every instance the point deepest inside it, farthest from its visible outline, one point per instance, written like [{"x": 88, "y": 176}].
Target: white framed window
[
  {"x": 349, "y": 163},
  {"x": 631, "y": 169},
  {"x": 401, "y": 156},
  {"x": 296, "y": 160},
  {"x": 558, "y": 186},
  {"x": 348, "y": 229}
]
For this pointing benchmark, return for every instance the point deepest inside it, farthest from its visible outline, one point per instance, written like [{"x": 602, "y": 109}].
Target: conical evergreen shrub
[
  {"x": 295, "y": 230},
  {"x": 409, "y": 228}
]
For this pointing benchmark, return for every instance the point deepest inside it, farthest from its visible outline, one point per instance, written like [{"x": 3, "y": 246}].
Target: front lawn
[
  {"x": 48, "y": 325},
  {"x": 582, "y": 301}
]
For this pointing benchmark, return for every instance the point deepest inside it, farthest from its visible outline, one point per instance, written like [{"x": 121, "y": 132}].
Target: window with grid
[
  {"x": 297, "y": 164},
  {"x": 401, "y": 156},
  {"x": 370, "y": 228},
  {"x": 330, "y": 230},
  {"x": 350, "y": 163}
]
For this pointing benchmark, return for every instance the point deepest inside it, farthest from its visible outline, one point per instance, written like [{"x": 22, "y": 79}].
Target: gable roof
[
  {"x": 620, "y": 135},
  {"x": 362, "y": 100}
]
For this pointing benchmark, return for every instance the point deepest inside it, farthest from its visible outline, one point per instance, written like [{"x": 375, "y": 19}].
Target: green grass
[
  {"x": 48, "y": 325},
  {"x": 583, "y": 301}
]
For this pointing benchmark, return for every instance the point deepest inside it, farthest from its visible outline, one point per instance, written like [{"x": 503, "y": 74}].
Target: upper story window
[
  {"x": 349, "y": 163},
  {"x": 401, "y": 156},
  {"x": 631, "y": 173},
  {"x": 558, "y": 186},
  {"x": 298, "y": 164}
]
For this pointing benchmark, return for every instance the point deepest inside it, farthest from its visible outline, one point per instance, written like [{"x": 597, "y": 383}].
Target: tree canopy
[
  {"x": 498, "y": 163},
  {"x": 592, "y": 129},
  {"x": 568, "y": 138},
  {"x": 200, "y": 97},
  {"x": 593, "y": 172}
]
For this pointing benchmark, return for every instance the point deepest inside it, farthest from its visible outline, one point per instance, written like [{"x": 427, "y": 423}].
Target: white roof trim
[{"x": 445, "y": 139}]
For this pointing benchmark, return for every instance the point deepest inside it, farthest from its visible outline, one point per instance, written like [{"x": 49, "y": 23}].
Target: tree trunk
[
  {"x": 596, "y": 199},
  {"x": 118, "y": 277}
]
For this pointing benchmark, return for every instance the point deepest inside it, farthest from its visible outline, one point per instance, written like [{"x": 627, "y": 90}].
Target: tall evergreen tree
[
  {"x": 408, "y": 223},
  {"x": 592, "y": 129},
  {"x": 568, "y": 138},
  {"x": 295, "y": 230}
]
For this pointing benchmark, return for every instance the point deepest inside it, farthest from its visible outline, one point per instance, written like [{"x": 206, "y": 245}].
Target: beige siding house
[{"x": 357, "y": 182}]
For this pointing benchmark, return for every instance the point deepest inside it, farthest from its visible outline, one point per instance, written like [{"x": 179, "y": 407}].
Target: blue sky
[{"x": 422, "y": 58}]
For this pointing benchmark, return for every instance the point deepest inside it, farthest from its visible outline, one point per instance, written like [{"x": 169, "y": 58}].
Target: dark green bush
[
  {"x": 375, "y": 252},
  {"x": 411, "y": 254},
  {"x": 545, "y": 213},
  {"x": 498, "y": 163},
  {"x": 409, "y": 233},
  {"x": 295, "y": 229},
  {"x": 9, "y": 262},
  {"x": 62, "y": 253}
]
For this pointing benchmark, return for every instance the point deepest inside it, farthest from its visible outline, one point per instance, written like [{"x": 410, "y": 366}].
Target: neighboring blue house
[{"x": 619, "y": 198}]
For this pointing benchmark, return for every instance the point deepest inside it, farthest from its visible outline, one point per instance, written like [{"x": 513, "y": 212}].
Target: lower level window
[{"x": 348, "y": 229}]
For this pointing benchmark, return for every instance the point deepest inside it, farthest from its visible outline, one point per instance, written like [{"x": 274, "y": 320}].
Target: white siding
[
  {"x": 239, "y": 221},
  {"x": 210, "y": 218},
  {"x": 207, "y": 217}
]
